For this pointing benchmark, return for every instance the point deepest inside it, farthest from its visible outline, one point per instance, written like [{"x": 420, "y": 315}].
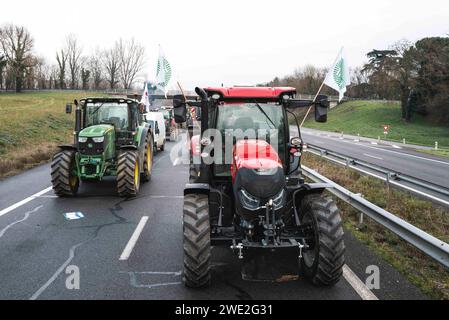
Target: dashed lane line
[
  {"x": 133, "y": 240},
  {"x": 370, "y": 156}
]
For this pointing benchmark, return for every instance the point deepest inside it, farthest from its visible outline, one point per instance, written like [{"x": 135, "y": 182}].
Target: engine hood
[
  {"x": 257, "y": 168},
  {"x": 256, "y": 155},
  {"x": 96, "y": 130}
]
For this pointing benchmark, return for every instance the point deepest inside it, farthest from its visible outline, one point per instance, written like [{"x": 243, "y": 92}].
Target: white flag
[
  {"x": 145, "y": 98},
  {"x": 338, "y": 77},
  {"x": 163, "y": 73}
]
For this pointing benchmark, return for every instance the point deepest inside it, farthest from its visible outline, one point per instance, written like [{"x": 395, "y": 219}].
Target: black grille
[
  {"x": 95, "y": 149},
  {"x": 90, "y": 169}
]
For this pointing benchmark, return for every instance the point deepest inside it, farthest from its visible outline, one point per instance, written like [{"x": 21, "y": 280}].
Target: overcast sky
[{"x": 231, "y": 42}]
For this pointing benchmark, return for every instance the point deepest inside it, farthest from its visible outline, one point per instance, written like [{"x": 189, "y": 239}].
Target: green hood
[{"x": 96, "y": 131}]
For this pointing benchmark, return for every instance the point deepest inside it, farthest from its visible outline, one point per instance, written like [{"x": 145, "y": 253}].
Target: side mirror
[
  {"x": 68, "y": 108},
  {"x": 179, "y": 109},
  {"x": 321, "y": 107}
]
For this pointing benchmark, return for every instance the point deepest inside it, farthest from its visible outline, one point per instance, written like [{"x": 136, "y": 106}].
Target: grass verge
[
  {"x": 367, "y": 117},
  {"x": 422, "y": 271},
  {"x": 32, "y": 125}
]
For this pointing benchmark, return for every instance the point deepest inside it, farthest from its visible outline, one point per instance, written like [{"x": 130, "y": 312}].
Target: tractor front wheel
[
  {"x": 323, "y": 260},
  {"x": 148, "y": 159},
  {"x": 63, "y": 173},
  {"x": 128, "y": 173},
  {"x": 197, "y": 248}
]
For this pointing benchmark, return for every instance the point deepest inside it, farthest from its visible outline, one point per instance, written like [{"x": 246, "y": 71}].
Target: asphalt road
[
  {"x": 395, "y": 157},
  {"x": 38, "y": 246}
]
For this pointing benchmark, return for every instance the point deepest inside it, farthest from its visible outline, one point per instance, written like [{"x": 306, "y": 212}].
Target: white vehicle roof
[{"x": 153, "y": 115}]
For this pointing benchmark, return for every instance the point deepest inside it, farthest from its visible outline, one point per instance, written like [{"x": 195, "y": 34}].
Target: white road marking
[
  {"x": 395, "y": 146},
  {"x": 368, "y": 155},
  {"x": 357, "y": 284},
  {"x": 24, "y": 201},
  {"x": 374, "y": 143},
  {"x": 27, "y": 215},
  {"x": 132, "y": 242},
  {"x": 58, "y": 272}
]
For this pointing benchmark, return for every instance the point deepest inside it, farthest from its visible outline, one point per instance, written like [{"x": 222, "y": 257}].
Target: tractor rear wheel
[
  {"x": 197, "y": 248},
  {"x": 128, "y": 173},
  {"x": 323, "y": 261},
  {"x": 148, "y": 159},
  {"x": 63, "y": 173}
]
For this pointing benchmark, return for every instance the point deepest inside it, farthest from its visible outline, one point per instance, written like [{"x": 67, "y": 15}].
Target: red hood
[{"x": 254, "y": 154}]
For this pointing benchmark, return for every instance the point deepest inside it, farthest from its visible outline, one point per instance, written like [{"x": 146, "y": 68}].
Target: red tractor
[{"x": 246, "y": 190}]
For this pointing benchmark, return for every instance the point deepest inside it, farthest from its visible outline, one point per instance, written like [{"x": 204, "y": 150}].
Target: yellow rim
[
  {"x": 149, "y": 159},
  {"x": 136, "y": 174},
  {"x": 73, "y": 180}
]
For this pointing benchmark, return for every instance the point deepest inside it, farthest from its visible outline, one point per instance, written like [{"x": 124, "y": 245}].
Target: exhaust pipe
[
  {"x": 78, "y": 116},
  {"x": 200, "y": 91}
]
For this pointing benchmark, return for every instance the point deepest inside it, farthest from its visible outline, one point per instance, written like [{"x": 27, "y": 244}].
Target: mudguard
[
  {"x": 195, "y": 188},
  {"x": 68, "y": 147}
]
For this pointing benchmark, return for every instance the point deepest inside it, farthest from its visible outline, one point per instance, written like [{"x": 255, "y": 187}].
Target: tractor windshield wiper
[
  {"x": 98, "y": 108},
  {"x": 265, "y": 114}
]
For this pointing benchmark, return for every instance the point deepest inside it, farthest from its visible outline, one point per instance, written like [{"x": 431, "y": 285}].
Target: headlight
[
  {"x": 82, "y": 139},
  {"x": 279, "y": 200},
  {"x": 98, "y": 139},
  {"x": 249, "y": 202}
]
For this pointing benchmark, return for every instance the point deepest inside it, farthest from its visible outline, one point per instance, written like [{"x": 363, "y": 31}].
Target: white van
[{"x": 157, "y": 123}]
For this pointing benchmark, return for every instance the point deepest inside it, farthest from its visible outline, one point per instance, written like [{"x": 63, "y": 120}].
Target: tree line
[
  {"x": 21, "y": 68},
  {"x": 416, "y": 74}
]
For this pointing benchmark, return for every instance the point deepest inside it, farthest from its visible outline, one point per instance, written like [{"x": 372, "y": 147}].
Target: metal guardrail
[
  {"x": 431, "y": 191},
  {"x": 428, "y": 244}
]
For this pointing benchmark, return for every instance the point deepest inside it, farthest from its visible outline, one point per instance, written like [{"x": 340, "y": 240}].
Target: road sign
[{"x": 386, "y": 128}]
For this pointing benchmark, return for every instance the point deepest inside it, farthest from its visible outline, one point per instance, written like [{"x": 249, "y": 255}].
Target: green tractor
[{"x": 110, "y": 139}]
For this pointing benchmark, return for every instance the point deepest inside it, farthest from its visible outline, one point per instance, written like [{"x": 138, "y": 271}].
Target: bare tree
[
  {"x": 17, "y": 45},
  {"x": 96, "y": 68},
  {"x": 111, "y": 62},
  {"x": 74, "y": 51},
  {"x": 131, "y": 57},
  {"x": 61, "y": 59},
  {"x": 3, "y": 63}
]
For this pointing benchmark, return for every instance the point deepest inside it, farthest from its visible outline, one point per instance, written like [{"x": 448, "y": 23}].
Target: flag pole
[
  {"x": 182, "y": 91},
  {"x": 310, "y": 108}
]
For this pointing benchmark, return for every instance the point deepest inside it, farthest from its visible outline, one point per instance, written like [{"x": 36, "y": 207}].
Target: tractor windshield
[
  {"x": 264, "y": 121},
  {"x": 115, "y": 114}
]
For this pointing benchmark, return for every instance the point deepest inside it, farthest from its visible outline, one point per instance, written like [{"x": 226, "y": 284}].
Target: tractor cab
[{"x": 121, "y": 115}]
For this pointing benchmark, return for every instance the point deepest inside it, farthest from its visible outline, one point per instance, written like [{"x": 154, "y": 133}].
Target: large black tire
[
  {"x": 197, "y": 248},
  {"x": 148, "y": 159},
  {"x": 63, "y": 174},
  {"x": 162, "y": 148},
  {"x": 128, "y": 173},
  {"x": 323, "y": 262}
]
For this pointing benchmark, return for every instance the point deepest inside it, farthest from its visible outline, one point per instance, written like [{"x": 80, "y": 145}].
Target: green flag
[{"x": 163, "y": 72}]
